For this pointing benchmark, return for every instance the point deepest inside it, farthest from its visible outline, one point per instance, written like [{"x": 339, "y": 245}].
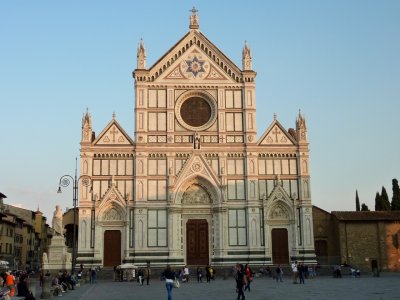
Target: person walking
[
  {"x": 240, "y": 281},
  {"x": 93, "y": 275},
  {"x": 249, "y": 277},
  {"x": 279, "y": 273},
  {"x": 169, "y": 276}
]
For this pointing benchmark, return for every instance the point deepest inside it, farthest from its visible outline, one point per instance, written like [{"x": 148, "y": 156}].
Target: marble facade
[{"x": 195, "y": 185}]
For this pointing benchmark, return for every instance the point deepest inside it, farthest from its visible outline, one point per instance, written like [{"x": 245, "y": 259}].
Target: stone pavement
[{"x": 367, "y": 287}]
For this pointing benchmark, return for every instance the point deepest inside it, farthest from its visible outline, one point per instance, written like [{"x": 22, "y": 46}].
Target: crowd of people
[
  {"x": 301, "y": 272},
  {"x": 15, "y": 284},
  {"x": 62, "y": 282}
]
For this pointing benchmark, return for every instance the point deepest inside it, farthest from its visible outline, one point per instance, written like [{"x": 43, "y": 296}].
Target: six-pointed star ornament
[{"x": 195, "y": 66}]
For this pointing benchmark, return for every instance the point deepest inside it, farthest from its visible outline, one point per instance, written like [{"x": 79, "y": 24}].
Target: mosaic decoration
[{"x": 195, "y": 67}]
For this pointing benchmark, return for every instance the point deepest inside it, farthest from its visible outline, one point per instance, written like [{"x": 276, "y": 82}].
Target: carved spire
[
  {"x": 246, "y": 57},
  {"x": 194, "y": 19},
  {"x": 141, "y": 55},
  {"x": 86, "y": 127},
  {"x": 301, "y": 128}
]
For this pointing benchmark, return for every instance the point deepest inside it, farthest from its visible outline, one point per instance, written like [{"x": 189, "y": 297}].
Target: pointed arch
[
  {"x": 83, "y": 240},
  {"x": 253, "y": 228},
  {"x": 201, "y": 184},
  {"x": 85, "y": 167},
  {"x": 140, "y": 190},
  {"x": 140, "y": 234},
  {"x": 252, "y": 168}
]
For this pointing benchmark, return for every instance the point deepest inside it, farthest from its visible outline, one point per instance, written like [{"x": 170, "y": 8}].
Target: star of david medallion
[{"x": 195, "y": 67}]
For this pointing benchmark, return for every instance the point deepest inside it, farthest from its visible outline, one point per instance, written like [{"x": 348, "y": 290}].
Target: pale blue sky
[{"x": 338, "y": 61}]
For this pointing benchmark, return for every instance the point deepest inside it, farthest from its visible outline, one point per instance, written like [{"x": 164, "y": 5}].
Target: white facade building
[{"x": 194, "y": 185}]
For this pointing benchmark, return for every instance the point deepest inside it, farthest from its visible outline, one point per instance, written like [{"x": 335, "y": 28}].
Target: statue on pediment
[{"x": 57, "y": 221}]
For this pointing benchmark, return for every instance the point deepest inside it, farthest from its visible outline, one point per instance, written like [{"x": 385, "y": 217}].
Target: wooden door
[
  {"x": 321, "y": 251},
  {"x": 280, "y": 247},
  {"x": 112, "y": 248},
  {"x": 197, "y": 242}
]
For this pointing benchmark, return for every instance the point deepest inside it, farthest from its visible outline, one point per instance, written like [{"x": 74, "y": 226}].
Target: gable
[
  {"x": 195, "y": 58},
  {"x": 276, "y": 135},
  {"x": 196, "y": 166},
  {"x": 113, "y": 134}
]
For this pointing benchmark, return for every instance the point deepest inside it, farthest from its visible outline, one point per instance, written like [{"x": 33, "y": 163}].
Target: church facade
[{"x": 194, "y": 185}]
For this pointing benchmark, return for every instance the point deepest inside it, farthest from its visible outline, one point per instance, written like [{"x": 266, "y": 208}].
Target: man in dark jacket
[{"x": 240, "y": 281}]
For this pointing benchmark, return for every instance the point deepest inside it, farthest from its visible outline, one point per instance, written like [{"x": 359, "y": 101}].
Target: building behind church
[{"x": 194, "y": 185}]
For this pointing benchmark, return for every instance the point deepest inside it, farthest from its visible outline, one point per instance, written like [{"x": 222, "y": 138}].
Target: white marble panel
[
  {"x": 96, "y": 167},
  {"x": 152, "y": 98}
]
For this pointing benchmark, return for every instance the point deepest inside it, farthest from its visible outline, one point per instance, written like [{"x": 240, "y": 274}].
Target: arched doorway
[
  {"x": 197, "y": 242},
  {"x": 112, "y": 248},
  {"x": 280, "y": 247}
]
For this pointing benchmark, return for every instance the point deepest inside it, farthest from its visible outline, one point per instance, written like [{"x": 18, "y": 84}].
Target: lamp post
[{"x": 65, "y": 181}]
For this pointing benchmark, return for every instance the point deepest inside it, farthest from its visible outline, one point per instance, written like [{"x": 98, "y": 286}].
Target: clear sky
[{"x": 337, "y": 61}]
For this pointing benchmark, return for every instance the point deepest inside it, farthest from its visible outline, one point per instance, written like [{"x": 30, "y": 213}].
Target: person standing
[
  {"x": 294, "y": 270},
  {"x": 93, "y": 275},
  {"x": 240, "y": 278},
  {"x": 169, "y": 276},
  {"x": 10, "y": 283},
  {"x": 186, "y": 274},
  {"x": 279, "y": 273},
  {"x": 301, "y": 271},
  {"x": 199, "y": 274},
  {"x": 208, "y": 274},
  {"x": 147, "y": 273}
]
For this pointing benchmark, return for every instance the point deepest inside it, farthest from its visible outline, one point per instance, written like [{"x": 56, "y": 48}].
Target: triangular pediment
[
  {"x": 195, "y": 58},
  {"x": 276, "y": 134},
  {"x": 196, "y": 166},
  {"x": 113, "y": 134},
  {"x": 112, "y": 198},
  {"x": 278, "y": 205}
]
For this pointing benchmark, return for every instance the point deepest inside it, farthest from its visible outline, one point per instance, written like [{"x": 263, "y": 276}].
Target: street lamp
[{"x": 65, "y": 181}]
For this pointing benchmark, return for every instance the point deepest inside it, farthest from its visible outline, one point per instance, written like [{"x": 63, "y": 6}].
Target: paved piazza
[{"x": 385, "y": 287}]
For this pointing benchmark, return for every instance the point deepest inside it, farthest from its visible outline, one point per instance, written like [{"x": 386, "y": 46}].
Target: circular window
[{"x": 195, "y": 110}]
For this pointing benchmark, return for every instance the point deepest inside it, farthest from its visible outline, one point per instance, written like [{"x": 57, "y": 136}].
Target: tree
[
  {"x": 396, "y": 195},
  {"x": 357, "y": 202},
  {"x": 364, "y": 207},
  {"x": 378, "y": 202},
  {"x": 385, "y": 199}
]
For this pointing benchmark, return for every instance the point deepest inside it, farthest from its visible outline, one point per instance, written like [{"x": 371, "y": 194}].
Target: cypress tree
[
  {"x": 357, "y": 202},
  {"x": 396, "y": 195},
  {"x": 364, "y": 207},
  {"x": 378, "y": 202},
  {"x": 385, "y": 199}
]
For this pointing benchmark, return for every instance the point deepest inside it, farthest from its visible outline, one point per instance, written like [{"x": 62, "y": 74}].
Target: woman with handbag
[{"x": 169, "y": 276}]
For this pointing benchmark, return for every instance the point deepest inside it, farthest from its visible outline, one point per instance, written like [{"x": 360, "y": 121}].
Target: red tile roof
[{"x": 367, "y": 215}]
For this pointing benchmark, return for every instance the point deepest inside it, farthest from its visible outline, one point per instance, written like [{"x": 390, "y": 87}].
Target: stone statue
[
  {"x": 44, "y": 258},
  {"x": 196, "y": 141},
  {"x": 57, "y": 221}
]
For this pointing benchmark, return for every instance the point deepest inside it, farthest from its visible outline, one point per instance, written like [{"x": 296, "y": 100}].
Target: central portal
[
  {"x": 112, "y": 248},
  {"x": 280, "y": 249},
  {"x": 197, "y": 242}
]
